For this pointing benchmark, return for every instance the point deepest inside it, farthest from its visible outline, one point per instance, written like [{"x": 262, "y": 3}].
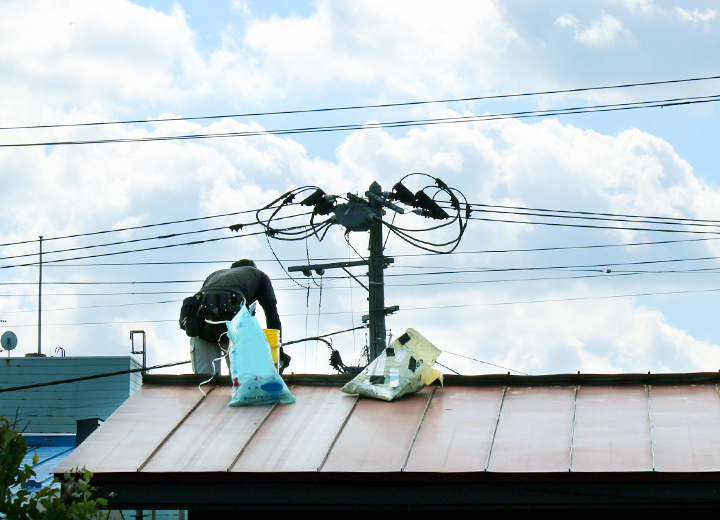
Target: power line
[
  {"x": 406, "y": 255},
  {"x": 121, "y": 242},
  {"x": 369, "y": 106},
  {"x": 522, "y": 211},
  {"x": 612, "y": 274},
  {"x": 389, "y": 124},
  {"x": 591, "y": 226},
  {"x": 485, "y": 362},
  {"x": 555, "y": 300},
  {"x": 45, "y": 262},
  {"x": 131, "y": 228},
  {"x": 138, "y": 282},
  {"x": 605, "y": 274},
  {"x": 669, "y": 221},
  {"x": 522, "y": 208},
  {"x": 94, "y": 306},
  {"x": 135, "y": 240},
  {"x": 560, "y": 224},
  {"x": 430, "y": 307},
  {"x": 94, "y": 376},
  {"x": 448, "y": 270}
]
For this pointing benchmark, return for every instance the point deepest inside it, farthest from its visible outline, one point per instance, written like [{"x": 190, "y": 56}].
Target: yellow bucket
[{"x": 273, "y": 337}]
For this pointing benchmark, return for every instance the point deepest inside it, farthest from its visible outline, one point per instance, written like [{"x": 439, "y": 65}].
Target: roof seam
[
  {"x": 247, "y": 442},
  {"x": 495, "y": 428},
  {"x": 175, "y": 428},
  {"x": 122, "y": 408},
  {"x": 572, "y": 433},
  {"x": 650, "y": 425},
  {"x": 417, "y": 430},
  {"x": 337, "y": 435}
]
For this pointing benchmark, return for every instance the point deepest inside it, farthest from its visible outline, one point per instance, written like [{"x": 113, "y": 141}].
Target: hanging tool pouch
[{"x": 210, "y": 305}]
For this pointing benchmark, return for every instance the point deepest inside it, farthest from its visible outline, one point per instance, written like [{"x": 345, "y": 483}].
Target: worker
[{"x": 244, "y": 283}]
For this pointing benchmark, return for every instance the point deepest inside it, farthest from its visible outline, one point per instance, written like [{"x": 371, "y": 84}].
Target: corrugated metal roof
[
  {"x": 170, "y": 429},
  {"x": 50, "y": 450}
]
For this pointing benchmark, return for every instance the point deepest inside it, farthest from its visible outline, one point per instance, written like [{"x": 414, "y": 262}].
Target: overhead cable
[
  {"x": 429, "y": 307},
  {"x": 485, "y": 362},
  {"x": 591, "y": 213},
  {"x": 87, "y": 378},
  {"x": 135, "y": 240},
  {"x": 592, "y": 226},
  {"x": 154, "y": 248},
  {"x": 369, "y": 106},
  {"x": 668, "y": 221},
  {"x": 556, "y": 300},
  {"x": 388, "y": 124},
  {"x": 80, "y": 307},
  {"x": 405, "y": 255},
  {"x": 131, "y": 228}
]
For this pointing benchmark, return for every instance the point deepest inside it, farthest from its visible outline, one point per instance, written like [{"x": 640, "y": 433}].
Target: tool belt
[{"x": 210, "y": 304}]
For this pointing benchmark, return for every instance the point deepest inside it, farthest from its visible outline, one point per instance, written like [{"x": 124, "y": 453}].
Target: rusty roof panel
[
  {"x": 130, "y": 435},
  {"x": 210, "y": 438},
  {"x": 612, "y": 430},
  {"x": 167, "y": 429},
  {"x": 457, "y": 431},
  {"x": 298, "y": 436},
  {"x": 685, "y": 427},
  {"x": 534, "y": 431},
  {"x": 378, "y": 435}
]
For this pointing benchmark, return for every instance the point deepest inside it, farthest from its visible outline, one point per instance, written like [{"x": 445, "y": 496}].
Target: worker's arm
[{"x": 271, "y": 314}]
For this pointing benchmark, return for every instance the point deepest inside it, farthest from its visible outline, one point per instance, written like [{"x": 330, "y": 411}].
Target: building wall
[{"x": 55, "y": 409}]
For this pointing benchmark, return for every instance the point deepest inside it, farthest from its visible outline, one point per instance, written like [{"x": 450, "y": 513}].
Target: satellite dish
[{"x": 8, "y": 340}]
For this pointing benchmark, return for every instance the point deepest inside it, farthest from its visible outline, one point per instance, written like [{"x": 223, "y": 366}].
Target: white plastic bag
[
  {"x": 402, "y": 368},
  {"x": 255, "y": 380}
]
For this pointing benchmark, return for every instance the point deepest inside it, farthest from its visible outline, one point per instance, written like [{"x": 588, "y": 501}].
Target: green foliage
[{"x": 72, "y": 500}]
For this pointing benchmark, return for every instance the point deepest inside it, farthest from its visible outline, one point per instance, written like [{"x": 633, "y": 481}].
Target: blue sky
[{"x": 114, "y": 60}]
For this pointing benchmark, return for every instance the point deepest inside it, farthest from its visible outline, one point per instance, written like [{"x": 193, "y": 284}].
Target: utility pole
[
  {"x": 40, "y": 300},
  {"x": 364, "y": 215},
  {"x": 376, "y": 285}
]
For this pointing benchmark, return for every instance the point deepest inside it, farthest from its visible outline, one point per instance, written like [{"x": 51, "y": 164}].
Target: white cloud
[
  {"x": 546, "y": 164},
  {"x": 461, "y": 46},
  {"x": 638, "y": 6},
  {"x": 95, "y": 51},
  {"x": 606, "y": 30},
  {"x": 240, "y": 5},
  {"x": 696, "y": 16},
  {"x": 594, "y": 336},
  {"x": 372, "y": 42},
  {"x": 566, "y": 20}
]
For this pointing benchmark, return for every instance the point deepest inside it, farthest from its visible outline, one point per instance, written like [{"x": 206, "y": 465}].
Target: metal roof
[
  {"x": 480, "y": 429},
  {"x": 50, "y": 450}
]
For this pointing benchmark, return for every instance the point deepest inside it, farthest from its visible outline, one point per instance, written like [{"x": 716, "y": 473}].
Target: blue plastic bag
[{"x": 255, "y": 380}]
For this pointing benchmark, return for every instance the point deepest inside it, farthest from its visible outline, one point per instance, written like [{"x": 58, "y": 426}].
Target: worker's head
[{"x": 245, "y": 262}]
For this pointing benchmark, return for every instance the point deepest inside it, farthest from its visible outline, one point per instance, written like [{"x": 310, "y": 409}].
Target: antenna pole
[{"x": 40, "y": 300}]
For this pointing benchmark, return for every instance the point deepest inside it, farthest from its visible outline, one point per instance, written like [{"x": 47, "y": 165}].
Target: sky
[{"x": 524, "y": 296}]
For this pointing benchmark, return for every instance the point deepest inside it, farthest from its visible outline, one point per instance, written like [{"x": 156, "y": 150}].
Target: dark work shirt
[{"x": 254, "y": 284}]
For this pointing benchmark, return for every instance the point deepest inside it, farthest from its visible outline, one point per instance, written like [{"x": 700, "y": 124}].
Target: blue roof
[{"x": 51, "y": 450}]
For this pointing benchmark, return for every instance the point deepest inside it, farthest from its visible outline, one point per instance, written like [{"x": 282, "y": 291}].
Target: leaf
[{"x": 8, "y": 437}]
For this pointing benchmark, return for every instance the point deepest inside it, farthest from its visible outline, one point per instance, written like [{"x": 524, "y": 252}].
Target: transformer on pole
[
  {"x": 358, "y": 213},
  {"x": 365, "y": 215}
]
